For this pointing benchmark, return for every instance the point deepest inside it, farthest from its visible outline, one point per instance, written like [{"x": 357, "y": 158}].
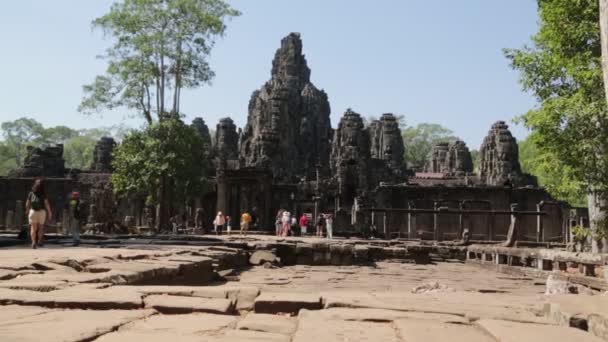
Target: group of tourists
[
  {"x": 286, "y": 224},
  {"x": 39, "y": 212},
  {"x": 222, "y": 221}
]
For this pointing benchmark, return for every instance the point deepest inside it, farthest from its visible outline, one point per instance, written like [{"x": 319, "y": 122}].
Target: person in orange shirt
[{"x": 245, "y": 219}]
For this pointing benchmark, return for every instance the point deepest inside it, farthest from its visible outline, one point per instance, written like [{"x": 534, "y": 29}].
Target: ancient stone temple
[
  {"x": 350, "y": 157},
  {"x": 288, "y": 128},
  {"x": 102, "y": 155},
  {"x": 387, "y": 143},
  {"x": 42, "y": 162},
  {"x": 453, "y": 158},
  {"x": 202, "y": 129},
  {"x": 499, "y": 164},
  {"x": 226, "y": 139}
]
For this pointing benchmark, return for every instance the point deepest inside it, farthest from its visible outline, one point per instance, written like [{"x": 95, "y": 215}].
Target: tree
[
  {"x": 18, "y": 134},
  {"x": 160, "y": 48},
  {"x": 563, "y": 69},
  {"x": 556, "y": 178},
  {"x": 419, "y": 141},
  {"x": 169, "y": 151}
]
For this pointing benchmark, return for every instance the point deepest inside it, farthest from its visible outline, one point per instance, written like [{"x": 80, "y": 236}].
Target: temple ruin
[{"x": 289, "y": 156}]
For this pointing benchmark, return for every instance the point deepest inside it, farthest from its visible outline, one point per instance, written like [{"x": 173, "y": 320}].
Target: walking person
[
  {"x": 219, "y": 222},
  {"x": 278, "y": 224},
  {"x": 74, "y": 207},
  {"x": 286, "y": 221},
  {"x": 228, "y": 224},
  {"x": 320, "y": 224},
  {"x": 245, "y": 220},
  {"x": 39, "y": 210},
  {"x": 303, "y": 224},
  {"x": 329, "y": 226}
]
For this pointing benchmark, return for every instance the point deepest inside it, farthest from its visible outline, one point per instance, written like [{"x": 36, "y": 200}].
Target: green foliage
[
  {"x": 169, "y": 149},
  {"x": 419, "y": 141},
  {"x": 160, "y": 47},
  {"x": 580, "y": 233},
  {"x": 552, "y": 174},
  {"x": 562, "y": 68},
  {"x": 78, "y": 144},
  {"x": 601, "y": 229}
]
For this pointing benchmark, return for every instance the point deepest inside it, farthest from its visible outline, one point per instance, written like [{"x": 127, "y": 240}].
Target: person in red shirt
[{"x": 303, "y": 224}]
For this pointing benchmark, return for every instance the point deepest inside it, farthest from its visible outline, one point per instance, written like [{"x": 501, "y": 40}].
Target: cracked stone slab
[
  {"x": 75, "y": 298},
  {"x": 312, "y": 327},
  {"x": 286, "y": 302},
  {"x": 163, "y": 328},
  {"x": 507, "y": 331},
  {"x": 268, "y": 323},
  {"x": 66, "y": 325},
  {"x": 431, "y": 331},
  {"x": 180, "y": 304}
]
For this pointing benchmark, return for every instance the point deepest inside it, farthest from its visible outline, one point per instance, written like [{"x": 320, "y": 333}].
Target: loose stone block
[
  {"x": 268, "y": 323},
  {"x": 179, "y": 304}
]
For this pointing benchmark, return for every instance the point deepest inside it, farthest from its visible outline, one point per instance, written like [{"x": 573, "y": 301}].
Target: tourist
[
  {"x": 74, "y": 207},
  {"x": 228, "y": 224},
  {"x": 293, "y": 224},
  {"x": 39, "y": 210},
  {"x": 278, "y": 222},
  {"x": 329, "y": 221},
  {"x": 219, "y": 222},
  {"x": 245, "y": 219},
  {"x": 320, "y": 224},
  {"x": 286, "y": 221},
  {"x": 303, "y": 224}
]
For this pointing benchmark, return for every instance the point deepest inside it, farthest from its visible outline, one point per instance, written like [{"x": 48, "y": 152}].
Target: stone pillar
[
  {"x": 92, "y": 214},
  {"x": 19, "y": 216},
  {"x": 539, "y": 223},
  {"x": 65, "y": 221},
  {"x": 130, "y": 222},
  {"x": 222, "y": 188},
  {"x": 10, "y": 219},
  {"x": 435, "y": 225}
]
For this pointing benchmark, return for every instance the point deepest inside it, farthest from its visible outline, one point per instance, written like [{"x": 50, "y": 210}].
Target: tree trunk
[
  {"x": 597, "y": 200},
  {"x": 162, "y": 221}
]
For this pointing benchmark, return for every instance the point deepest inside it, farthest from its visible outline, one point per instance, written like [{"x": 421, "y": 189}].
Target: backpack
[{"x": 36, "y": 202}]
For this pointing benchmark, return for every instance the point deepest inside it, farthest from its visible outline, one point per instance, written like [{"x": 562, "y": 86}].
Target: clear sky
[{"x": 436, "y": 61}]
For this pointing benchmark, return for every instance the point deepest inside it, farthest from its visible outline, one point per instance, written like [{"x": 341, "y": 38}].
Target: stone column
[
  {"x": 10, "y": 219},
  {"x": 19, "y": 216},
  {"x": 92, "y": 214},
  {"x": 65, "y": 221}
]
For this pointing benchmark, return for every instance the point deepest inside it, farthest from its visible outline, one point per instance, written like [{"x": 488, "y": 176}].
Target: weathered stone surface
[
  {"x": 580, "y": 311},
  {"x": 311, "y": 327},
  {"x": 268, "y": 323},
  {"x": 162, "y": 328},
  {"x": 38, "y": 162},
  {"x": 523, "y": 332},
  {"x": 226, "y": 139},
  {"x": 76, "y": 297},
  {"x": 250, "y": 336},
  {"x": 203, "y": 131},
  {"x": 350, "y": 157},
  {"x": 260, "y": 257},
  {"x": 102, "y": 155},
  {"x": 427, "y": 330},
  {"x": 453, "y": 158},
  {"x": 499, "y": 163},
  {"x": 286, "y": 302},
  {"x": 66, "y": 325},
  {"x": 288, "y": 127},
  {"x": 180, "y": 304},
  {"x": 387, "y": 144}
]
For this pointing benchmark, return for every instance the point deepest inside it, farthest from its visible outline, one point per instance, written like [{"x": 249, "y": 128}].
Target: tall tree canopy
[
  {"x": 160, "y": 47},
  {"x": 419, "y": 141},
  {"x": 562, "y": 68}
]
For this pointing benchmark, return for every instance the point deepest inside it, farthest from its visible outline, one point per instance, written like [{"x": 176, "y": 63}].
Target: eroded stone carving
[
  {"x": 452, "y": 158},
  {"x": 387, "y": 143},
  {"x": 202, "y": 129},
  {"x": 102, "y": 155},
  {"x": 227, "y": 139},
  {"x": 499, "y": 163},
  {"x": 42, "y": 162},
  {"x": 288, "y": 127}
]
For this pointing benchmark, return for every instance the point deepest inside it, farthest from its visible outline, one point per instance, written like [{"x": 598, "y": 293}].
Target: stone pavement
[{"x": 210, "y": 293}]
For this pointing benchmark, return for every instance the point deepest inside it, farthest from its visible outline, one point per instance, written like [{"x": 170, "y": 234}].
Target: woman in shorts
[{"x": 39, "y": 210}]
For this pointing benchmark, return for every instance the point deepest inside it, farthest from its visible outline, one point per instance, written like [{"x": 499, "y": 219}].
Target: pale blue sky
[{"x": 434, "y": 61}]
